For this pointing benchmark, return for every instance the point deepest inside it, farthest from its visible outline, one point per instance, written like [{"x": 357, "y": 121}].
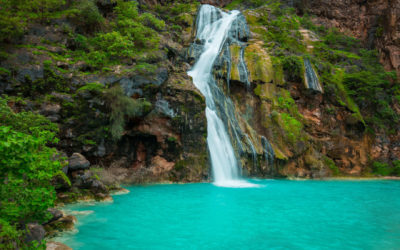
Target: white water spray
[{"x": 213, "y": 26}]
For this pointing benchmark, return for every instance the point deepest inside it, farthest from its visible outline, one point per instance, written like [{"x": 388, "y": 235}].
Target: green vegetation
[
  {"x": 384, "y": 169},
  {"x": 332, "y": 166},
  {"x": 16, "y": 14},
  {"x": 347, "y": 70},
  {"x": 122, "y": 106},
  {"x": 292, "y": 127},
  {"x": 28, "y": 166}
]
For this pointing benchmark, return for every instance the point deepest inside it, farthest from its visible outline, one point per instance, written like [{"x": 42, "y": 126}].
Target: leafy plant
[
  {"x": 122, "y": 107},
  {"x": 27, "y": 167}
]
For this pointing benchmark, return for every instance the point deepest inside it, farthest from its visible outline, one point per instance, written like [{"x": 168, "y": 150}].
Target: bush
[
  {"x": 293, "y": 68},
  {"x": 27, "y": 167},
  {"x": 87, "y": 16},
  {"x": 380, "y": 168},
  {"x": 122, "y": 106},
  {"x": 291, "y": 126}
]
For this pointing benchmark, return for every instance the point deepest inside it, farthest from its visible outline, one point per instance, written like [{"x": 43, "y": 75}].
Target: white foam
[{"x": 237, "y": 184}]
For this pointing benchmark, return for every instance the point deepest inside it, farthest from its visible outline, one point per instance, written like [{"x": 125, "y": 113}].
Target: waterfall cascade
[
  {"x": 214, "y": 30},
  {"x": 310, "y": 77}
]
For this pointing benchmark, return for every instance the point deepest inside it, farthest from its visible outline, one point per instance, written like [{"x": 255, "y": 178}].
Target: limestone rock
[
  {"x": 56, "y": 246},
  {"x": 78, "y": 161},
  {"x": 56, "y": 214},
  {"x": 36, "y": 232}
]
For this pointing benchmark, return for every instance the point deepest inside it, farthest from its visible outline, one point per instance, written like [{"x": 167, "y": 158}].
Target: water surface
[{"x": 278, "y": 214}]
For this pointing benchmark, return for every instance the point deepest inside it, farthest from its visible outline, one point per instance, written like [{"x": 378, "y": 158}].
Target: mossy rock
[
  {"x": 259, "y": 63},
  {"x": 235, "y": 60}
]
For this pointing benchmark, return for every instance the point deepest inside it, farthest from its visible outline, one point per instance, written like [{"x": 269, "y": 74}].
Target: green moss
[
  {"x": 4, "y": 71},
  {"x": 292, "y": 127},
  {"x": 93, "y": 87},
  {"x": 278, "y": 71},
  {"x": 258, "y": 63},
  {"x": 332, "y": 166},
  {"x": 172, "y": 139}
]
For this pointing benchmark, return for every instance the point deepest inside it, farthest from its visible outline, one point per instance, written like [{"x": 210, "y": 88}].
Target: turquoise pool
[{"x": 278, "y": 214}]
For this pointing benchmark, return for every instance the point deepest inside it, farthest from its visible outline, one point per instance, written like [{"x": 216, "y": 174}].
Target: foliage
[
  {"x": 28, "y": 166},
  {"x": 93, "y": 87},
  {"x": 44, "y": 8},
  {"x": 51, "y": 81},
  {"x": 281, "y": 30},
  {"x": 10, "y": 237},
  {"x": 86, "y": 16},
  {"x": 133, "y": 35},
  {"x": 16, "y": 14},
  {"x": 293, "y": 67},
  {"x": 332, "y": 166},
  {"x": 385, "y": 169},
  {"x": 380, "y": 168},
  {"x": 27, "y": 122},
  {"x": 122, "y": 106},
  {"x": 292, "y": 127}
]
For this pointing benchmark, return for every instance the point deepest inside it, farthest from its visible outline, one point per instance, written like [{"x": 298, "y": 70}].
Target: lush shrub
[
  {"x": 122, "y": 107},
  {"x": 27, "y": 167},
  {"x": 380, "y": 168},
  {"x": 291, "y": 126},
  {"x": 87, "y": 16},
  {"x": 133, "y": 25},
  {"x": 293, "y": 68},
  {"x": 332, "y": 166},
  {"x": 116, "y": 44}
]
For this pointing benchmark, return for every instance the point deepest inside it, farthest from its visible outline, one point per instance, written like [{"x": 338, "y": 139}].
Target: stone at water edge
[
  {"x": 56, "y": 214},
  {"x": 57, "y": 246},
  {"x": 78, "y": 161},
  {"x": 36, "y": 232}
]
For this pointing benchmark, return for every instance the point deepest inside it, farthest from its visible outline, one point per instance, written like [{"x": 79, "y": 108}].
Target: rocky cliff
[
  {"x": 281, "y": 125},
  {"x": 376, "y": 23}
]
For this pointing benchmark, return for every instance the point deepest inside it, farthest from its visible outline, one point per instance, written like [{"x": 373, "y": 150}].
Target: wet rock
[
  {"x": 56, "y": 246},
  {"x": 78, "y": 161},
  {"x": 219, "y": 3},
  {"x": 50, "y": 109},
  {"x": 87, "y": 180},
  {"x": 56, "y": 214},
  {"x": 35, "y": 232},
  {"x": 64, "y": 223},
  {"x": 32, "y": 73},
  {"x": 134, "y": 84},
  {"x": 101, "y": 149},
  {"x": 161, "y": 165}
]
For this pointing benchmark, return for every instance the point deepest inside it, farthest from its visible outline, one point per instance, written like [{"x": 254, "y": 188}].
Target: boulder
[
  {"x": 135, "y": 84},
  {"x": 32, "y": 73},
  {"x": 56, "y": 214},
  {"x": 78, "y": 161},
  {"x": 35, "y": 232}
]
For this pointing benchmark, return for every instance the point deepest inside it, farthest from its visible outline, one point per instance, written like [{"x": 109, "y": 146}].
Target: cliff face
[
  {"x": 375, "y": 22},
  {"x": 286, "y": 126}
]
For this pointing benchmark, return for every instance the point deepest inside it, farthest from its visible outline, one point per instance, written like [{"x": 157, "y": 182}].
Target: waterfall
[
  {"x": 268, "y": 152},
  {"x": 213, "y": 27},
  {"x": 253, "y": 151},
  {"x": 244, "y": 77},
  {"x": 311, "y": 78}
]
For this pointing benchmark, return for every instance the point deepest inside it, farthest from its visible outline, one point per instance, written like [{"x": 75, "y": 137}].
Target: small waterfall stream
[
  {"x": 311, "y": 77},
  {"x": 213, "y": 27}
]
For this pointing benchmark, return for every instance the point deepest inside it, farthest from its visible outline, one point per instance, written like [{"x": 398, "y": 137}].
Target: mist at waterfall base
[
  {"x": 279, "y": 214},
  {"x": 213, "y": 26}
]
